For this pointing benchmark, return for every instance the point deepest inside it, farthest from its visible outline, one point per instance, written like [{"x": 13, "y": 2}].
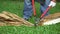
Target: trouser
[{"x": 27, "y": 12}]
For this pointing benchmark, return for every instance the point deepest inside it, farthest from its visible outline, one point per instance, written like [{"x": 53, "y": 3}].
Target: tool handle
[
  {"x": 45, "y": 12},
  {"x": 33, "y": 7}
]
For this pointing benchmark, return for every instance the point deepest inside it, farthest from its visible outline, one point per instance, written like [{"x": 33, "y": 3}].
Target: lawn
[{"x": 16, "y": 7}]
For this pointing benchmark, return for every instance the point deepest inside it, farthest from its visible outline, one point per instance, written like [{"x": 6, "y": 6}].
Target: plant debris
[
  {"x": 49, "y": 18},
  {"x": 7, "y": 18}
]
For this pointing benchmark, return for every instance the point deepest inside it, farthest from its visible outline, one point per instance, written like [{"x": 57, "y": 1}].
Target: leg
[
  {"x": 27, "y": 9},
  {"x": 44, "y": 7}
]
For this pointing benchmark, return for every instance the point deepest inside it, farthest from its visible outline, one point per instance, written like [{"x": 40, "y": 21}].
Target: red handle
[
  {"x": 33, "y": 6},
  {"x": 45, "y": 12}
]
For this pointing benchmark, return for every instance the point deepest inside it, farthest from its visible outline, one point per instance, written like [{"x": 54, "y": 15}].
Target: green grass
[{"x": 16, "y": 7}]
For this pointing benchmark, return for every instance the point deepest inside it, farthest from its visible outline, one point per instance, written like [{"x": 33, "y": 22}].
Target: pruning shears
[{"x": 34, "y": 12}]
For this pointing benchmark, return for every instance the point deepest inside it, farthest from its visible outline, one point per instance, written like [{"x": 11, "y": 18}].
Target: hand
[{"x": 52, "y": 4}]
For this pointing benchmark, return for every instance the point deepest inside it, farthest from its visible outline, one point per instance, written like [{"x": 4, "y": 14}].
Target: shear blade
[{"x": 37, "y": 20}]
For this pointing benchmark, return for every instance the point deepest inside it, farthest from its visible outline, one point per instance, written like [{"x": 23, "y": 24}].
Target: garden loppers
[
  {"x": 34, "y": 12},
  {"x": 37, "y": 20}
]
